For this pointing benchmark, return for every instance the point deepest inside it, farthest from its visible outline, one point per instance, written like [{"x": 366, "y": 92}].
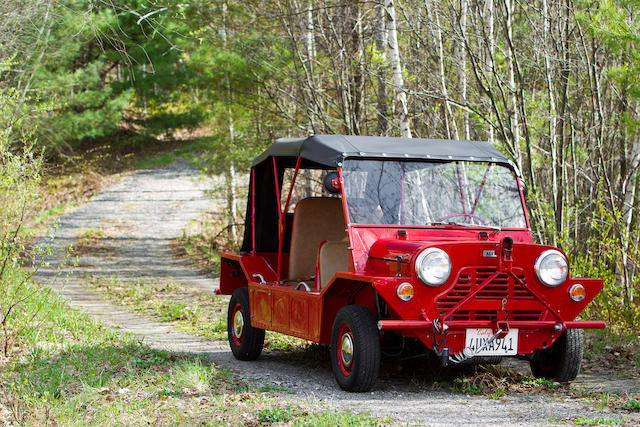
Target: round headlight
[
  {"x": 551, "y": 268},
  {"x": 433, "y": 266}
]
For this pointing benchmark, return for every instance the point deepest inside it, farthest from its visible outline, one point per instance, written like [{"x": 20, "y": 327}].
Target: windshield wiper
[{"x": 461, "y": 224}]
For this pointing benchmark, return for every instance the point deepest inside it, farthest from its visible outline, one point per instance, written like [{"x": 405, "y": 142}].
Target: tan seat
[
  {"x": 315, "y": 220},
  {"x": 334, "y": 257}
]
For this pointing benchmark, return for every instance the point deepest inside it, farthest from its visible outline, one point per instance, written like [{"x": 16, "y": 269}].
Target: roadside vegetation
[
  {"x": 195, "y": 312},
  {"x": 68, "y": 369}
]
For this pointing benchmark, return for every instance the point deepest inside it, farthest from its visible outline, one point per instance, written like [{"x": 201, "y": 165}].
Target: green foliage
[
  {"x": 632, "y": 405},
  {"x": 69, "y": 361},
  {"x": 271, "y": 388},
  {"x": 275, "y": 415},
  {"x": 20, "y": 304},
  {"x": 597, "y": 421},
  {"x": 169, "y": 311},
  {"x": 336, "y": 418},
  {"x": 600, "y": 256},
  {"x": 537, "y": 382}
]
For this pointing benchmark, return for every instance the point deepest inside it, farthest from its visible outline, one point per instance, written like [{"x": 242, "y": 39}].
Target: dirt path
[{"x": 134, "y": 222}]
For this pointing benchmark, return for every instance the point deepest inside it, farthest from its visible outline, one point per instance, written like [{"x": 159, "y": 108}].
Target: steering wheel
[{"x": 466, "y": 215}]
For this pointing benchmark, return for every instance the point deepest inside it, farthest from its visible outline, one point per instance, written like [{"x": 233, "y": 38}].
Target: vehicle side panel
[
  {"x": 282, "y": 308},
  {"x": 286, "y": 310}
]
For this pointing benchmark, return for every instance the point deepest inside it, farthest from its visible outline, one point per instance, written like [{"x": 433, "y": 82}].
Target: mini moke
[{"x": 415, "y": 243}]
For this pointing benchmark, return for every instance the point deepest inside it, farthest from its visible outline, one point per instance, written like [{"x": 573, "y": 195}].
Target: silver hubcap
[
  {"x": 346, "y": 349},
  {"x": 238, "y": 323}
]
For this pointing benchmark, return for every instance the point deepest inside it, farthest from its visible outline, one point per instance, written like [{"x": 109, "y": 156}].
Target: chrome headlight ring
[
  {"x": 552, "y": 268},
  {"x": 433, "y": 266}
]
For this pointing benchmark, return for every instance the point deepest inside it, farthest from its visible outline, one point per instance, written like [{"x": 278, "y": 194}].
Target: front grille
[{"x": 502, "y": 286}]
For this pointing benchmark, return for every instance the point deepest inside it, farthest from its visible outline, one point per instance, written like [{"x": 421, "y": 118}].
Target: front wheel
[
  {"x": 560, "y": 362},
  {"x": 245, "y": 341},
  {"x": 355, "y": 349}
]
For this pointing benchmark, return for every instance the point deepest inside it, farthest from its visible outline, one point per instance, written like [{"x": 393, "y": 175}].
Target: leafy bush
[{"x": 20, "y": 167}]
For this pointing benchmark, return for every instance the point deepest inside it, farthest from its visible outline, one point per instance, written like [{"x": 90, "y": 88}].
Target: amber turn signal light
[
  {"x": 405, "y": 291},
  {"x": 577, "y": 292}
]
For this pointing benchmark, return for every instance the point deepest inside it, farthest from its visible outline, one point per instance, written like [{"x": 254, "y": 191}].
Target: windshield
[{"x": 422, "y": 193}]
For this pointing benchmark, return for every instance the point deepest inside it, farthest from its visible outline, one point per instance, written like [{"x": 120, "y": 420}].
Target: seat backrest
[
  {"x": 333, "y": 258},
  {"x": 315, "y": 220}
]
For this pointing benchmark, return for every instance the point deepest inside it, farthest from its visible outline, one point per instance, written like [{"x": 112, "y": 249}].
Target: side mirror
[{"x": 331, "y": 182}]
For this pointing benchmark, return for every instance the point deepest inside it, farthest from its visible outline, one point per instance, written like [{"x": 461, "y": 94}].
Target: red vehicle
[{"x": 417, "y": 242}]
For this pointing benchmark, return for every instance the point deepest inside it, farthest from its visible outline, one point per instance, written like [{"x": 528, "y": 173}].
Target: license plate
[{"x": 507, "y": 346}]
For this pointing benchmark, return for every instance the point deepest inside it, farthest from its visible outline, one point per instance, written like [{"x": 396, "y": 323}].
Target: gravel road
[{"x": 137, "y": 219}]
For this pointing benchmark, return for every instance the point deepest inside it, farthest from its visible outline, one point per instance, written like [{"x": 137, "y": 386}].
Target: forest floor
[{"x": 121, "y": 241}]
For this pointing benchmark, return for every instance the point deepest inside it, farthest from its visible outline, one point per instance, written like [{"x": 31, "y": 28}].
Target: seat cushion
[
  {"x": 334, "y": 257},
  {"x": 315, "y": 220}
]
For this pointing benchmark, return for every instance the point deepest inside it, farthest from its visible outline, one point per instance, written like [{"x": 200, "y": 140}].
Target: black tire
[
  {"x": 560, "y": 362},
  {"x": 245, "y": 341},
  {"x": 355, "y": 326}
]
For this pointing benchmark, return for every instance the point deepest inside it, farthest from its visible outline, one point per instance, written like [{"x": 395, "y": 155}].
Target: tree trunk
[
  {"x": 450, "y": 122},
  {"x": 381, "y": 47},
  {"x": 396, "y": 69},
  {"x": 553, "y": 143},
  {"x": 461, "y": 63},
  {"x": 310, "y": 59},
  {"x": 514, "y": 110},
  {"x": 230, "y": 173},
  {"x": 492, "y": 48}
]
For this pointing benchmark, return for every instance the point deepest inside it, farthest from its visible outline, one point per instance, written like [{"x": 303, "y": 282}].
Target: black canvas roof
[
  {"x": 329, "y": 150},
  {"x": 326, "y": 152}
]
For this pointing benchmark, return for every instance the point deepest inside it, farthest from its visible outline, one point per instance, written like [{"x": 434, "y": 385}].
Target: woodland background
[{"x": 554, "y": 84}]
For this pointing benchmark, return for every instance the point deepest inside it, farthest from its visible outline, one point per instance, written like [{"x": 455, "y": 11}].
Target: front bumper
[
  {"x": 515, "y": 324},
  {"x": 487, "y": 298}
]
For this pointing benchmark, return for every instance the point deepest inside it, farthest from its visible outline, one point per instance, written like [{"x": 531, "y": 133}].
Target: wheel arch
[
  {"x": 342, "y": 292},
  {"x": 232, "y": 276}
]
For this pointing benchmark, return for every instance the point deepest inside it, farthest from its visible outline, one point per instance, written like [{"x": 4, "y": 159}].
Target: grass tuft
[{"x": 598, "y": 421}]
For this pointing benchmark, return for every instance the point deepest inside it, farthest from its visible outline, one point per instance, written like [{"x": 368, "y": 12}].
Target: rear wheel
[
  {"x": 245, "y": 341},
  {"x": 355, "y": 349},
  {"x": 560, "y": 362}
]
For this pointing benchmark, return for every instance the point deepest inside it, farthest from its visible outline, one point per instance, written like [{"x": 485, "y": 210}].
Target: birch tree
[{"x": 401, "y": 105}]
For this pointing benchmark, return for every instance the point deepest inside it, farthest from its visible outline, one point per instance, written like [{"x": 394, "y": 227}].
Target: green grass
[
  {"x": 45, "y": 216},
  {"x": 290, "y": 416},
  {"x": 598, "y": 421},
  {"x": 188, "y": 152},
  {"x": 194, "y": 312},
  {"x": 197, "y": 313},
  {"x": 339, "y": 418},
  {"x": 632, "y": 405},
  {"x": 275, "y": 415},
  {"x": 68, "y": 369},
  {"x": 620, "y": 353},
  {"x": 539, "y": 382}
]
